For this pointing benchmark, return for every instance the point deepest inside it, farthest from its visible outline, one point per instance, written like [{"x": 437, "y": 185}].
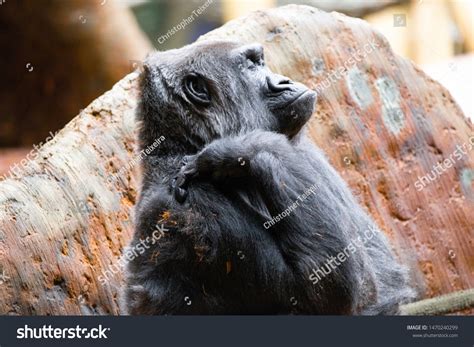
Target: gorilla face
[
  {"x": 215, "y": 89},
  {"x": 287, "y": 104}
]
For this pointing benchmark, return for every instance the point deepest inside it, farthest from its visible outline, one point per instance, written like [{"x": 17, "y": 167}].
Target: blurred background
[{"x": 59, "y": 55}]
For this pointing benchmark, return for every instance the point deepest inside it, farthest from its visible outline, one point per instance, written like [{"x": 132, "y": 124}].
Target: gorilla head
[{"x": 215, "y": 89}]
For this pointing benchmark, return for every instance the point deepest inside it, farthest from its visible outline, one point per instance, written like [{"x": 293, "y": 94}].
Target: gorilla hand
[
  {"x": 180, "y": 183},
  {"x": 232, "y": 157}
]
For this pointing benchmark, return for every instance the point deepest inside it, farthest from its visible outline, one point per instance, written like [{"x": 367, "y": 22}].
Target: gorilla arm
[
  {"x": 267, "y": 157},
  {"x": 171, "y": 269},
  {"x": 280, "y": 175},
  {"x": 164, "y": 245}
]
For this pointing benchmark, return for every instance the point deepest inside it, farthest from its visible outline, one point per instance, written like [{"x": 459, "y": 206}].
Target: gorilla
[{"x": 249, "y": 211}]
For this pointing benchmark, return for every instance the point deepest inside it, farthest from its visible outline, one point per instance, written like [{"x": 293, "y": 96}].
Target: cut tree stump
[{"x": 383, "y": 123}]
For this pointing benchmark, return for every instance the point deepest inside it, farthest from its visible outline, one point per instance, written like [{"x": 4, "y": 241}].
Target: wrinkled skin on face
[{"x": 221, "y": 89}]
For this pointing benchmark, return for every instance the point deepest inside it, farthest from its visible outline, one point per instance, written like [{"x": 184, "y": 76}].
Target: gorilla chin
[{"x": 296, "y": 113}]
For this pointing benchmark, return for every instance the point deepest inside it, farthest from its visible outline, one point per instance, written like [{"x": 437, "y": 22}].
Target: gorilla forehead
[{"x": 214, "y": 58}]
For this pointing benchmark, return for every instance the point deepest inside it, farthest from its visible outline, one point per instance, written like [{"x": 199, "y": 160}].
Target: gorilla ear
[{"x": 195, "y": 88}]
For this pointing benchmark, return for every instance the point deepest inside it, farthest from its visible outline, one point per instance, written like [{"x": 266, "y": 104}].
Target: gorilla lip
[{"x": 299, "y": 96}]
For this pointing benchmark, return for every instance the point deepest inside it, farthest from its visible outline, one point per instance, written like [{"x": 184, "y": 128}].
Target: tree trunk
[{"x": 382, "y": 122}]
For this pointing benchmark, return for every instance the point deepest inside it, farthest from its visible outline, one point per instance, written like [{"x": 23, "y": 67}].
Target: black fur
[{"x": 234, "y": 156}]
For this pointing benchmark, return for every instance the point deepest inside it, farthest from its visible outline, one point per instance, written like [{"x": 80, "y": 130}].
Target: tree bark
[{"x": 66, "y": 219}]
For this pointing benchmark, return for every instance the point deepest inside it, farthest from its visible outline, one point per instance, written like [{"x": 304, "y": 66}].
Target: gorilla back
[{"x": 239, "y": 213}]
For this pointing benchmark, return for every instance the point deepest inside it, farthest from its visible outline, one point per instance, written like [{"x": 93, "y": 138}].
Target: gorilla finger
[
  {"x": 181, "y": 181},
  {"x": 180, "y": 194}
]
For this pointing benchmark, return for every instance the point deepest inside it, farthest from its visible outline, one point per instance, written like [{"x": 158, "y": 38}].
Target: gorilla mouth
[
  {"x": 297, "y": 97},
  {"x": 296, "y": 112}
]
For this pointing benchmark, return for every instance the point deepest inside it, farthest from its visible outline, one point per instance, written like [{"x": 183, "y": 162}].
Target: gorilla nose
[{"x": 279, "y": 84}]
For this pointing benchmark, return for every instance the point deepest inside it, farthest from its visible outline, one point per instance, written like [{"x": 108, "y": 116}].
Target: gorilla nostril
[{"x": 278, "y": 85}]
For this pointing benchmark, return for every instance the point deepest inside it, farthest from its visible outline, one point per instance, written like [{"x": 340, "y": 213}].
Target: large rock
[{"x": 382, "y": 122}]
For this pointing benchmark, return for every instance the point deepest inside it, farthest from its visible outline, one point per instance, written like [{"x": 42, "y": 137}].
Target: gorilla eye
[
  {"x": 251, "y": 64},
  {"x": 255, "y": 58},
  {"x": 254, "y": 61},
  {"x": 196, "y": 90}
]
